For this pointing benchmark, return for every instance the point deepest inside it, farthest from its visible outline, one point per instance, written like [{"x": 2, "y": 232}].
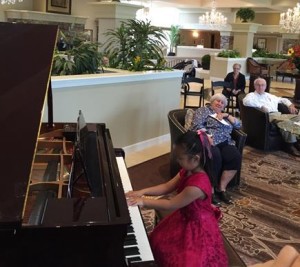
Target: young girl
[{"x": 189, "y": 236}]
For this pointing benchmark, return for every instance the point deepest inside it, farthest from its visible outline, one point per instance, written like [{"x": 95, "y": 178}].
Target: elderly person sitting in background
[
  {"x": 237, "y": 81},
  {"x": 226, "y": 157},
  {"x": 269, "y": 103}
]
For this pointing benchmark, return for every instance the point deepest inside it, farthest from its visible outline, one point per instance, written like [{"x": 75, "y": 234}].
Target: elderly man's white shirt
[{"x": 266, "y": 100}]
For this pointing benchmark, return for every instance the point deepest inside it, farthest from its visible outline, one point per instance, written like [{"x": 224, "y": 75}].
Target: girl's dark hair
[{"x": 197, "y": 143}]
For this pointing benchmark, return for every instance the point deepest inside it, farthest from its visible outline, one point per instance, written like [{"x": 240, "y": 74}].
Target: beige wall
[{"x": 267, "y": 18}]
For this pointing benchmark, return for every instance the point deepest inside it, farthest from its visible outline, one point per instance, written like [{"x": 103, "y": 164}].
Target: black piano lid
[{"x": 26, "y": 52}]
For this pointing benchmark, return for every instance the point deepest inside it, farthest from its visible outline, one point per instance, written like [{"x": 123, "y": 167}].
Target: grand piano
[{"x": 62, "y": 199}]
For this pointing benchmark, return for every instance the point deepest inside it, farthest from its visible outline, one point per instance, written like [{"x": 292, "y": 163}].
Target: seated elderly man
[{"x": 269, "y": 103}]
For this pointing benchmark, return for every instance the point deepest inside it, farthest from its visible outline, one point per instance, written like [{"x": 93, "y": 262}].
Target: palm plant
[
  {"x": 80, "y": 57},
  {"x": 174, "y": 37},
  {"x": 135, "y": 45}
]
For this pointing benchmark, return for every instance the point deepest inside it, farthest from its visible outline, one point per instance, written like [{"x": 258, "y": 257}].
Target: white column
[
  {"x": 111, "y": 14},
  {"x": 243, "y": 37}
]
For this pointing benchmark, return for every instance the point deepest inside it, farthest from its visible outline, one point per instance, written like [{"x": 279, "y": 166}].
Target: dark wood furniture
[
  {"x": 296, "y": 98},
  {"x": 255, "y": 68},
  {"x": 62, "y": 202},
  {"x": 198, "y": 84},
  {"x": 285, "y": 69}
]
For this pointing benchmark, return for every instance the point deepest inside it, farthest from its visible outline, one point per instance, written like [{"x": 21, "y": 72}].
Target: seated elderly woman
[{"x": 226, "y": 157}]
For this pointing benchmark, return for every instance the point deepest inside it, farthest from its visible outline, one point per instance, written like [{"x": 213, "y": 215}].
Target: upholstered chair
[{"x": 176, "y": 120}]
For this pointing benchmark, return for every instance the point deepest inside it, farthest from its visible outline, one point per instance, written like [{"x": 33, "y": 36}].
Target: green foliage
[
  {"x": 135, "y": 45},
  {"x": 265, "y": 53},
  {"x": 80, "y": 57},
  {"x": 205, "y": 62},
  {"x": 174, "y": 37},
  {"x": 229, "y": 53},
  {"x": 245, "y": 14}
]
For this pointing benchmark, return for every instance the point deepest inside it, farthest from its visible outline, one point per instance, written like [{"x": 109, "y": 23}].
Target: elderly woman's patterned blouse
[{"x": 220, "y": 132}]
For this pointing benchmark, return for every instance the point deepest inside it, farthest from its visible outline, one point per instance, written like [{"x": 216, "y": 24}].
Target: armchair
[
  {"x": 285, "y": 69},
  {"x": 261, "y": 133},
  {"x": 176, "y": 120},
  {"x": 255, "y": 68}
]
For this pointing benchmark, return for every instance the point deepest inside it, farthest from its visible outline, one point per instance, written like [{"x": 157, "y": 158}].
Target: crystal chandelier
[
  {"x": 213, "y": 19},
  {"x": 4, "y": 2},
  {"x": 290, "y": 20}
]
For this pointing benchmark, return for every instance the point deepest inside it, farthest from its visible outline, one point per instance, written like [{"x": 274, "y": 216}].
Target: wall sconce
[{"x": 195, "y": 35}]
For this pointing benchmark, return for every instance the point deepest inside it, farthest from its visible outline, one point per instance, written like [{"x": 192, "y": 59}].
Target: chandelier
[
  {"x": 4, "y": 2},
  {"x": 290, "y": 20},
  {"x": 213, "y": 19}
]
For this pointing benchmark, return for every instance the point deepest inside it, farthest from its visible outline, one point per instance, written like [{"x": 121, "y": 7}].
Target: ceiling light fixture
[
  {"x": 8, "y": 2},
  {"x": 213, "y": 19},
  {"x": 290, "y": 20}
]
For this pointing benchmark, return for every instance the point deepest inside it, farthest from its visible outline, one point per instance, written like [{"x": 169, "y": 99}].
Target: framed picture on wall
[
  {"x": 59, "y": 6},
  {"x": 261, "y": 43}
]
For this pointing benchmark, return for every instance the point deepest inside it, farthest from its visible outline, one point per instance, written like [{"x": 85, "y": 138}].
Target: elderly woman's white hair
[{"x": 219, "y": 96}]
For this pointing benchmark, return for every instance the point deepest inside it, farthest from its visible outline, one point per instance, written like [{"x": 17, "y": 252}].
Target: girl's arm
[
  {"x": 157, "y": 190},
  {"x": 188, "y": 195}
]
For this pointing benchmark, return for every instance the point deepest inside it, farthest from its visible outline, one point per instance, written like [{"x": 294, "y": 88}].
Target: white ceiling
[{"x": 203, "y": 5}]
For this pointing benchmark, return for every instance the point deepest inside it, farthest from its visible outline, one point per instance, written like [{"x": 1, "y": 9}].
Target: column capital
[
  {"x": 245, "y": 27},
  {"x": 116, "y": 10}
]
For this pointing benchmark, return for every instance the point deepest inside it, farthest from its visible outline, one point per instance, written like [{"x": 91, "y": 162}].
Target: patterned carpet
[
  {"x": 266, "y": 210},
  {"x": 265, "y": 214}
]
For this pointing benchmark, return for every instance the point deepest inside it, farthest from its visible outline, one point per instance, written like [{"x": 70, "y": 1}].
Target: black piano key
[
  {"x": 130, "y": 242},
  {"x": 131, "y": 251},
  {"x": 130, "y": 236},
  {"x": 133, "y": 259},
  {"x": 130, "y": 229}
]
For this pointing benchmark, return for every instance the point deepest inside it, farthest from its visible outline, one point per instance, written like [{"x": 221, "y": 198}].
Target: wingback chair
[
  {"x": 261, "y": 133},
  {"x": 255, "y": 68},
  {"x": 176, "y": 120}
]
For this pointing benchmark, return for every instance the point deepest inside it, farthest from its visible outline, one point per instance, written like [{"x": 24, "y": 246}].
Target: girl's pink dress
[{"x": 190, "y": 236}]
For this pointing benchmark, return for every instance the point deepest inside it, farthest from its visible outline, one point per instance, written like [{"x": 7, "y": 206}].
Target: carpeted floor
[{"x": 265, "y": 214}]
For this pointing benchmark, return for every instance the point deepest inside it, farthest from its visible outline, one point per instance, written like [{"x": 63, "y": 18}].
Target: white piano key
[{"x": 136, "y": 218}]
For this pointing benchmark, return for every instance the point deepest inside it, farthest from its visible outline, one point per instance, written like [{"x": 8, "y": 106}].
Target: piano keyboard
[{"x": 139, "y": 250}]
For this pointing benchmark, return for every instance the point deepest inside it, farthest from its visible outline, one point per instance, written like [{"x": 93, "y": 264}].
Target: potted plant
[
  {"x": 174, "y": 37},
  {"x": 229, "y": 54},
  {"x": 245, "y": 14},
  {"x": 205, "y": 62},
  {"x": 136, "y": 45},
  {"x": 77, "y": 56}
]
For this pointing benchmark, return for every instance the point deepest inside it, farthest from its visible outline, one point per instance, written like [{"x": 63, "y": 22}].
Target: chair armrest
[
  {"x": 283, "y": 109},
  {"x": 240, "y": 139}
]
